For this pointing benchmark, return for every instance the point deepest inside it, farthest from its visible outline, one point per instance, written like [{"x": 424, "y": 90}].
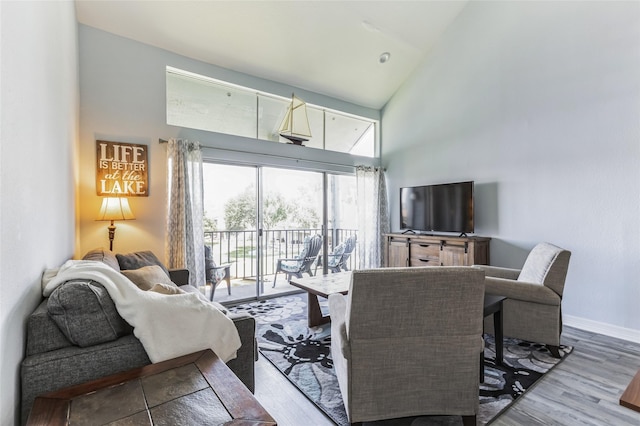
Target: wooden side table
[
  {"x": 193, "y": 389},
  {"x": 493, "y": 306},
  {"x": 631, "y": 396}
]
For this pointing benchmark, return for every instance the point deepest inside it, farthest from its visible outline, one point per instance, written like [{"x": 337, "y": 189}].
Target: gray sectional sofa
[{"x": 76, "y": 334}]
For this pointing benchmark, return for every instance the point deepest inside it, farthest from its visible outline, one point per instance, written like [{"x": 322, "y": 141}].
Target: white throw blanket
[{"x": 167, "y": 325}]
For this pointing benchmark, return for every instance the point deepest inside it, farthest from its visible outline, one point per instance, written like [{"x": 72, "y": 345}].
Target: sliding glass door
[
  {"x": 231, "y": 227},
  {"x": 291, "y": 217},
  {"x": 342, "y": 223},
  {"x": 261, "y": 220}
]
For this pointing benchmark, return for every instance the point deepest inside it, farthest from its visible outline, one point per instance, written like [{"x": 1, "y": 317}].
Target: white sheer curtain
[
  {"x": 185, "y": 231},
  {"x": 373, "y": 215}
]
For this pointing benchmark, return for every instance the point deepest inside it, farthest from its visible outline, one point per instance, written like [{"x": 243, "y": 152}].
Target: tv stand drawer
[
  {"x": 424, "y": 261},
  {"x": 424, "y": 249}
]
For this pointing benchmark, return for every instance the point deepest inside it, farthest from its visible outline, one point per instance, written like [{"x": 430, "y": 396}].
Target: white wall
[
  {"x": 38, "y": 138},
  {"x": 539, "y": 103},
  {"x": 123, "y": 98}
]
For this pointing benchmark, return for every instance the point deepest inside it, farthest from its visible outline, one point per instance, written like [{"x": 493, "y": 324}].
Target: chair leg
[
  {"x": 228, "y": 280},
  {"x": 555, "y": 351},
  {"x": 274, "y": 279},
  {"x": 213, "y": 290},
  {"x": 469, "y": 420}
]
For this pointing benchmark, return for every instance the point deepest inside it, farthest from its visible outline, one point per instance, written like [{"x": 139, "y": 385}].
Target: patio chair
[
  {"x": 337, "y": 260},
  {"x": 216, "y": 273},
  {"x": 349, "y": 246},
  {"x": 302, "y": 263}
]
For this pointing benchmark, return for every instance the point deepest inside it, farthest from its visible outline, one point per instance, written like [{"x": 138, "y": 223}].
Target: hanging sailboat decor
[{"x": 295, "y": 126}]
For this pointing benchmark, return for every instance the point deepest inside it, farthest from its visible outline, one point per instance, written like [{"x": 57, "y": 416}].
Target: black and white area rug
[{"x": 303, "y": 355}]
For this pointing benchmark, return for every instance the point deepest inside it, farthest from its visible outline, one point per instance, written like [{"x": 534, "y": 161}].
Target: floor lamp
[{"x": 112, "y": 209}]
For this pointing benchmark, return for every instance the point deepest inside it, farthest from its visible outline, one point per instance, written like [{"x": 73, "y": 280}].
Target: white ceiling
[{"x": 327, "y": 47}]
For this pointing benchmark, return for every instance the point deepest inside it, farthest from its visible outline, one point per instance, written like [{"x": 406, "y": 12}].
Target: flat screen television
[{"x": 438, "y": 208}]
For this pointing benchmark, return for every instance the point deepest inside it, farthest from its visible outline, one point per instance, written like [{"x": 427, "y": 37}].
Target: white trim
[
  {"x": 237, "y": 157},
  {"x": 610, "y": 330}
]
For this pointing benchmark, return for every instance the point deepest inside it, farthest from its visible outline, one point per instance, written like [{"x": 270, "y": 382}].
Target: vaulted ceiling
[{"x": 328, "y": 47}]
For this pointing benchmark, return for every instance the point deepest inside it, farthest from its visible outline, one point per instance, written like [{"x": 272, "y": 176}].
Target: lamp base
[{"x": 112, "y": 234}]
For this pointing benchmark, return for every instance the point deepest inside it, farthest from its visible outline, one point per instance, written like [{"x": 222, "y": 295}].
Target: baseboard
[{"x": 602, "y": 328}]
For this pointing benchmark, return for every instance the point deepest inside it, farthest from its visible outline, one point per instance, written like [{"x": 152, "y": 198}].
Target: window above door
[{"x": 203, "y": 103}]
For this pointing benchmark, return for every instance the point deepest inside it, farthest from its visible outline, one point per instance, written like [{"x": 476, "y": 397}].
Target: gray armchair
[
  {"x": 407, "y": 342},
  {"x": 533, "y": 308}
]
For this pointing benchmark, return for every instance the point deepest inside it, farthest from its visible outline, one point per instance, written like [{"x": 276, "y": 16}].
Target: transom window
[{"x": 204, "y": 103}]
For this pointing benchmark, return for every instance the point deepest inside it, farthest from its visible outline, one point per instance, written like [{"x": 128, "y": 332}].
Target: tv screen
[{"x": 438, "y": 208}]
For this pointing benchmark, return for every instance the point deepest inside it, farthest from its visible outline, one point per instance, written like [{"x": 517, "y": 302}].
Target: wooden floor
[{"x": 584, "y": 389}]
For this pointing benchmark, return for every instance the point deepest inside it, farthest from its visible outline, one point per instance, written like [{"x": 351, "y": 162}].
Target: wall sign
[{"x": 122, "y": 169}]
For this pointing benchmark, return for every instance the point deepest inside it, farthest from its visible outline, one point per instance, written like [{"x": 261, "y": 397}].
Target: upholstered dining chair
[
  {"x": 533, "y": 308},
  {"x": 406, "y": 342},
  {"x": 300, "y": 264},
  {"x": 216, "y": 273}
]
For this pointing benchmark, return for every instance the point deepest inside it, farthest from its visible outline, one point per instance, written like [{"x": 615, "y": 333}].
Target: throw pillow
[
  {"x": 538, "y": 262},
  {"x": 166, "y": 288},
  {"x": 105, "y": 256},
  {"x": 139, "y": 259},
  {"x": 146, "y": 277},
  {"x": 85, "y": 313}
]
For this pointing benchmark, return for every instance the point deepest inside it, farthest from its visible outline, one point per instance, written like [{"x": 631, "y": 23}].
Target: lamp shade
[{"x": 115, "y": 208}]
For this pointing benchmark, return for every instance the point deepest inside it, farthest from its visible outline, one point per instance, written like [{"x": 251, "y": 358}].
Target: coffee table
[
  {"x": 193, "y": 389},
  {"x": 323, "y": 286}
]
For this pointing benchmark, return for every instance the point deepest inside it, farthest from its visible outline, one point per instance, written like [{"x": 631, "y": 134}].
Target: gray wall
[
  {"x": 123, "y": 98},
  {"x": 539, "y": 103},
  {"x": 38, "y": 143}
]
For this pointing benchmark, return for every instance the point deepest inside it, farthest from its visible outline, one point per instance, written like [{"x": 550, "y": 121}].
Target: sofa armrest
[
  {"x": 179, "y": 276},
  {"x": 43, "y": 335},
  {"x": 53, "y": 370},
  {"x": 520, "y": 290},
  {"x": 499, "y": 272},
  {"x": 244, "y": 363}
]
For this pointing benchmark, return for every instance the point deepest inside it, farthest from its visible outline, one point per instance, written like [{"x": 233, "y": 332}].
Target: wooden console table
[
  {"x": 193, "y": 389},
  {"x": 435, "y": 250}
]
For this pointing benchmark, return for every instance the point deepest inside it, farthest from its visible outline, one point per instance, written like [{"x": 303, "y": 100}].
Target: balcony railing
[{"x": 239, "y": 248}]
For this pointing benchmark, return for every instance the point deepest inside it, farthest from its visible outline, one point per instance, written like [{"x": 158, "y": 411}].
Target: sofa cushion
[
  {"x": 138, "y": 260},
  {"x": 147, "y": 276},
  {"x": 85, "y": 313},
  {"x": 105, "y": 256}
]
